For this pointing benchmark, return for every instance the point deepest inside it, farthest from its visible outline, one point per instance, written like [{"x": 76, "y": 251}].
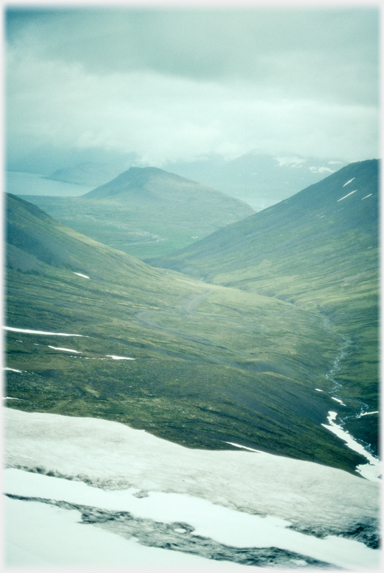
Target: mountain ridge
[
  {"x": 291, "y": 210},
  {"x": 137, "y": 179},
  {"x": 86, "y": 173},
  {"x": 146, "y": 211}
]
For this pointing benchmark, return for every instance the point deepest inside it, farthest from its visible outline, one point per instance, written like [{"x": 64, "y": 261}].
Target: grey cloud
[
  {"x": 305, "y": 51},
  {"x": 177, "y": 84}
]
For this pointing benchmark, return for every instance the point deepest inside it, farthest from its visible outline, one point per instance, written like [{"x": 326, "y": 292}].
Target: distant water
[{"x": 33, "y": 184}]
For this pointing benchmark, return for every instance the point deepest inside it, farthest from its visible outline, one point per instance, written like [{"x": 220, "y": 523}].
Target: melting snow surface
[
  {"x": 224, "y": 525},
  {"x": 338, "y": 400},
  {"x": 27, "y": 331},
  {"x": 11, "y": 369},
  {"x": 367, "y": 413},
  {"x": 371, "y": 470},
  {"x": 44, "y": 536},
  {"x": 239, "y": 499},
  {"x": 80, "y": 275},
  {"x": 243, "y": 447},
  {"x": 64, "y": 349},
  {"x": 348, "y": 182},
  {"x": 345, "y": 196},
  {"x": 119, "y": 357}
]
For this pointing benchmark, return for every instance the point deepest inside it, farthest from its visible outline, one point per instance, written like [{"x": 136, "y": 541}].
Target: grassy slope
[
  {"x": 146, "y": 212},
  {"x": 212, "y": 364},
  {"x": 319, "y": 253}
]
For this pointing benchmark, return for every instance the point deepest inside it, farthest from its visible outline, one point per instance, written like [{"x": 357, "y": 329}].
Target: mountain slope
[
  {"x": 259, "y": 179},
  {"x": 317, "y": 250},
  {"x": 36, "y": 242},
  {"x": 342, "y": 203},
  {"x": 87, "y": 173},
  {"x": 93, "y": 332},
  {"x": 150, "y": 182},
  {"x": 147, "y": 211}
]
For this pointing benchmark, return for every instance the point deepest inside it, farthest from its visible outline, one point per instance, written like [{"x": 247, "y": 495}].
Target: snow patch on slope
[
  {"x": 119, "y": 357},
  {"x": 371, "y": 470},
  {"x": 345, "y": 196},
  {"x": 64, "y": 349},
  {"x": 42, "y": 332}
]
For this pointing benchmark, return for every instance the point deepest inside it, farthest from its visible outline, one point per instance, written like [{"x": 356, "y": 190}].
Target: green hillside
[
  {"x": 317, "y": 250},
  {"x": 195, "y": 363},
  {"x": 146, "y": 211}
]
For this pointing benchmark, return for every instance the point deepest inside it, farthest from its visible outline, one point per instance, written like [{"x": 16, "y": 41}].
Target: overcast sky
[{"x": 177, "y": 84}]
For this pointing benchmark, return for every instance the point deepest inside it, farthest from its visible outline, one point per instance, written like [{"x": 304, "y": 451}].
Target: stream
[{"x": 372, "y": 469}]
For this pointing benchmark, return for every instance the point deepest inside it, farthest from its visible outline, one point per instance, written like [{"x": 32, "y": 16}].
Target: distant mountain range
[
  {"x": 147, "y": 211},
  {"x": 260, "y": 179},
  {"x": 88, "y": 173},
  {"x": 46, "y": 159}
]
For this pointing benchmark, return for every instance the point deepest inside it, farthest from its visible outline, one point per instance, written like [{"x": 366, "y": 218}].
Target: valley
[
  {"x": 200, "y": 379},
  {"x": 317, "y": 250},
  {"x": 241, "y": 361},
  {"x": 191, "y": 285},
  {"x": 258, "y": 341}
]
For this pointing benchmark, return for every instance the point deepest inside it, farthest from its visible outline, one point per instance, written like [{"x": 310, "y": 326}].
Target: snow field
[
  {"x": 239, "y": 498},
  {"x": 224, "y": 525},
  {"x": 41, "y": 535}
]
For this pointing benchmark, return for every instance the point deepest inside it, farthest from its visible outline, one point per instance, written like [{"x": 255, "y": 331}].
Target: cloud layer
[{"x": 174, "y": 85}]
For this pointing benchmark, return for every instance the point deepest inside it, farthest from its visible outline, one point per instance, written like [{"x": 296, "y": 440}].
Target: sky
[{"x": 172, "y": 84}]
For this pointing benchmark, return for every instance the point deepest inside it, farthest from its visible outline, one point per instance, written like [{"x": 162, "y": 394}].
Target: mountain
[
  {"x": 88, "y": 173},
  {"x": 343, "y": 203},
  {"x": 182, "y": 196},
  {"x": 147, "y": 211},
  {"x": 93, "y": 332},
  {"x": 260, "y": 179},
  {"x": 317, "y": 250},
  {"x": 46, "y": 158},
  {"x": 37, "y": 246}
]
